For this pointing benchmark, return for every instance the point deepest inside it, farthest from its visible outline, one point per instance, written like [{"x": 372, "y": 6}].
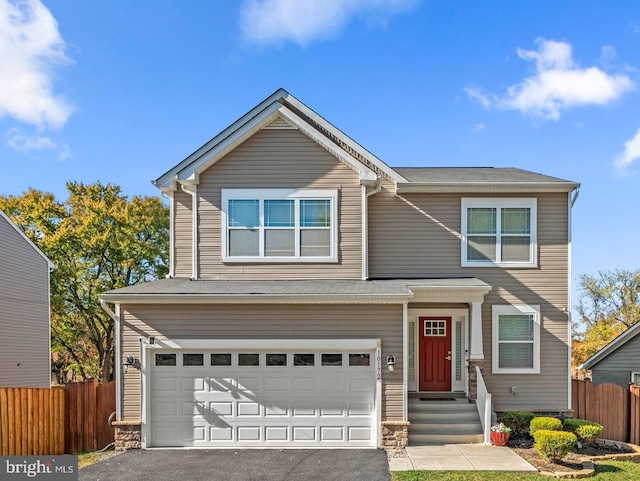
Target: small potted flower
[{"x": 500, "y": 434}]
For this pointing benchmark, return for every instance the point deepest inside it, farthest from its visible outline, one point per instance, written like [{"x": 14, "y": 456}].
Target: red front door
[{"x": 435, "y": 354}]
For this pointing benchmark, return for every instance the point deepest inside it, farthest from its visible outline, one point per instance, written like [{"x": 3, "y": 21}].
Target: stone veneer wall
[
  {"x": 473, "y": 378},
  {"x": 395, "y": 434},
  {"x": 128, "y": 435}
]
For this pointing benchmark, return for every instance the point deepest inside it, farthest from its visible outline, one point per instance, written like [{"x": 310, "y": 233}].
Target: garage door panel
[
  {"x": 220, "y": 384},
  {"x": 304, "y": 433},
  {"x": 193, "y": 384},
  {"x": 249, "y": 433},
  {"x": 331, "y": 433},
  {"x": 218, "y": 433},
  {"x": 276, "y": 384},
  {"x": 276, "y": 409},
  {"x": 276, "y": 433},
  {"x": 222, "y": 408},
  {"x": 359, "y": 433}
]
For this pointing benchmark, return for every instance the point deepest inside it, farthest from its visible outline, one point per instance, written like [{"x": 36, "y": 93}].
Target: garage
[{"x": 306, "y": 396}]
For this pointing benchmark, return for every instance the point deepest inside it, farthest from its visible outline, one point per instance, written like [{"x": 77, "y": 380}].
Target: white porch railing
[{"x": 483, "y": 403}]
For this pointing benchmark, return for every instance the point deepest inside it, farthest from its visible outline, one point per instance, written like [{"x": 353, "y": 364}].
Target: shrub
[
  {"x": 544, "y": 423},
  {"x": 518, "y": 421},
  {"x": 586, "y": 431},
  {"x": 554, "y": 445}
]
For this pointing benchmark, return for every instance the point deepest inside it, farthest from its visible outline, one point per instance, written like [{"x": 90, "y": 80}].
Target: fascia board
[
  {"x": 164, "y": 181},
  {"x": 366, "y": 174},
  {"x": 346, "y": 139},
  {"x": 485, "y": 187},
  {"x": 229, "y": 143},
  {"x": 256, "y": 299},
  {"x": 618, "y": 342},
  {"x": 449, "y": 293},
  {"x": 29, "y": 241}
]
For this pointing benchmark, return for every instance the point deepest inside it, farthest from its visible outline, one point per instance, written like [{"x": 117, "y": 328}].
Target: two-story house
[
  {"x": 25, "y": 327},
  {"x": 315, "y": 293}
]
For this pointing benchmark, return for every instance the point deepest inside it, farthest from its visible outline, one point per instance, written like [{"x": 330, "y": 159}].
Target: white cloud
[
  {"x": 27, "y": 143},
  {"x": 30, "y": 46},
  {"x": 479, "y": 127},
  {"x": 558, "y": 83},
  {"x": 302, "y": 21},
  {"x": 630, "y": 154}
]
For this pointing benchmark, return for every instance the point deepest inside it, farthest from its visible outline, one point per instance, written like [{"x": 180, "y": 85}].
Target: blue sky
[{"x": 121, "y": 91}]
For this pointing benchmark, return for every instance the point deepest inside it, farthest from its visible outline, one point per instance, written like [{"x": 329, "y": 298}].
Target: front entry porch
[{"x": 444, "y": 346}]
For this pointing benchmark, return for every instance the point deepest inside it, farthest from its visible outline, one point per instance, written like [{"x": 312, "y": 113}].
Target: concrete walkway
[{"x": 460, "y": 457}]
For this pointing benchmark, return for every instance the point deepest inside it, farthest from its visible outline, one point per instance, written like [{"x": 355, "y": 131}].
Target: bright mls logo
[{"x": 52, "y": 468}]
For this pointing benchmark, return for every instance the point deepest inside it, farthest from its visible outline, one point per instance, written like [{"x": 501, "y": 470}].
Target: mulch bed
[{"x": 571, "y": 463}]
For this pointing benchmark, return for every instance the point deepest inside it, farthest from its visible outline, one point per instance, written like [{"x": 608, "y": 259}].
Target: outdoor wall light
[
  {"x": 128, "y": 361},
  {"x": 391, "y": 362}
]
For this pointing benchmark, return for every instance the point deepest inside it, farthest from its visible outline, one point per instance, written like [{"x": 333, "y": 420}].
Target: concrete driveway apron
[{"x": 242, "y": 465}]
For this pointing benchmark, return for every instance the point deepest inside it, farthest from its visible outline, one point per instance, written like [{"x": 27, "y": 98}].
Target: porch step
[{"x": 446, "y": 419}]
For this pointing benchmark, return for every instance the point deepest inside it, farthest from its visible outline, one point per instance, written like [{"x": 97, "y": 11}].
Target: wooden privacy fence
[
  {"x": 31, "y": 421},
  {"x": 88, "y": 407},
  {"x": 616, "y": 408},
  {"x": 67, "y": 419}
]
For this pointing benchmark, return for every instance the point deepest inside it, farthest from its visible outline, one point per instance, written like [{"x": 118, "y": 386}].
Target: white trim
[
  {"x": 144, "y": 392},
  {"x": 263, "y": 344},
  {"x": 414, "y": 314},
  {"x": 119, "y": 386},
  {"x": 405, "y": 361},
  {"x": 498, "y": 310},
  {"x": 256, "y": 298},
  {"x": 499, "y": 203},
  {"x": 477, "y": 345},
  {"x": 268, "y": 194},
  {"x": 633, "y": 374},
  {"x": 379, "y": 164},
  {"x": 378, "y": 399},
  {"x": 365, "y": 235},
  {"x": 172, "y": 231},
  {"x": 29, "y": 241},
  {"x": 569, "y": 304}
]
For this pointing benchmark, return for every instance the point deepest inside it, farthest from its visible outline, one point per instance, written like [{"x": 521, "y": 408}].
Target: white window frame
[
  {"x": 279, "y": 194},
  {"x": 635, "y": 374},
  {"x": 499, "y": 310},
  {"x": 498, "y": 204}
]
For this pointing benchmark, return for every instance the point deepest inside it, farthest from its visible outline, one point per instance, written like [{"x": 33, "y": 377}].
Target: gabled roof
[
  {"x": 29, "y": 241},
  {"x": 280, "y": 105},
  {"x": 613, "y": 346},
  {"x": 284, "y": 109}
]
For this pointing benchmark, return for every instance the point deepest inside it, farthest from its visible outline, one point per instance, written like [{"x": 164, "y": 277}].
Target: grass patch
[
  {"x": 87, "y": 459},
  {"x": 605, "y": 471}
]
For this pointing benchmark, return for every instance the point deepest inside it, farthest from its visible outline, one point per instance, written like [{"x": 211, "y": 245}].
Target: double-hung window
[
  {"x": 274, "y": 225},
  {"x": 499, "y": 232},
  {"x": 516, "y": 339}
]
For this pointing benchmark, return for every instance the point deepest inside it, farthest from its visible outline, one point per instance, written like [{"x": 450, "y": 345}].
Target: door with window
[{"x": 435, "y": 353}]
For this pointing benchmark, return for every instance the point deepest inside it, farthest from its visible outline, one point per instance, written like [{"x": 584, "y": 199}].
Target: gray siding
[
  {"x": 418, "y": 235},
  {"x": 277, "y": 159},
  {"x": 183, "y": 234},
  {"x": 256, "y": 321},
  {"x": 618, "y": 366},
  {"x": 24, "y": 312}
]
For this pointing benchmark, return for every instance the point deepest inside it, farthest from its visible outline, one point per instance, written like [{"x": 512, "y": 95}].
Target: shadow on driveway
[{"x": 242, "y": 465}]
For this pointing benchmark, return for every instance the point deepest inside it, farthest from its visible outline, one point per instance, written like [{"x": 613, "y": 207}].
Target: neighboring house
[
  {"x": 618, "y": 362},
  {"x": 313, "y": 288},
  {"x": 25, "y": 342}
]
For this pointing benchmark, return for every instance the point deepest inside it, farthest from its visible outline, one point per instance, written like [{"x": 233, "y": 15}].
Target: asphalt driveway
[{"x": 242, "y": 465}]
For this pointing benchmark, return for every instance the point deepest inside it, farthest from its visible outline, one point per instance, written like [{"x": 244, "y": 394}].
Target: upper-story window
[
  {"x": 499, "y": 232},
  {"x": 278, "y": 225}
]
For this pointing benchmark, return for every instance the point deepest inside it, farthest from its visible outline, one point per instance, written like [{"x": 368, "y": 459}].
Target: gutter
[
  {"x": 256, "y": 298},
  {"x": 488, "y": 187}
]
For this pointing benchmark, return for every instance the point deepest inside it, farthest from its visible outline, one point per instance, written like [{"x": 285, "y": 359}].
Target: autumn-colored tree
[
  {"x": 99, "y": 240},
  {"x": 609, "y": 304}
]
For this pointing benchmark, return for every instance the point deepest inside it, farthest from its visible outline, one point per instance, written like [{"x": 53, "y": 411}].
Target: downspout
[
  {"x": 365, "y": 224},
  {"x": 572, "y": 201},
  {"x": 194, "y": 232},
  {"x": 169, "y": 196},
  {"x": 405, "y": 361},
  {"x": 116, "y": 318}
]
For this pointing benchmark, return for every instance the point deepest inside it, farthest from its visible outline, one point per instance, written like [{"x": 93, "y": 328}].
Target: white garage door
[{"x": 268, "y": 399}]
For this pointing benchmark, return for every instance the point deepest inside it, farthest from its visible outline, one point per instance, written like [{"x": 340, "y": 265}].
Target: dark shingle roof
[
  {"x": 319, "y": 287},
  {"x": 473, "y": 174}
]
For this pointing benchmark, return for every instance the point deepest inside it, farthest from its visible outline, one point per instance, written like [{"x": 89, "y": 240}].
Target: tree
[
  {"x": 609, "y": 304},
  {"x": 99, "y": 240}
]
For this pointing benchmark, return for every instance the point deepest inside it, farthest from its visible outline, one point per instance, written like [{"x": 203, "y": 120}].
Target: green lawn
[{"x": 605, "y": 471}]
